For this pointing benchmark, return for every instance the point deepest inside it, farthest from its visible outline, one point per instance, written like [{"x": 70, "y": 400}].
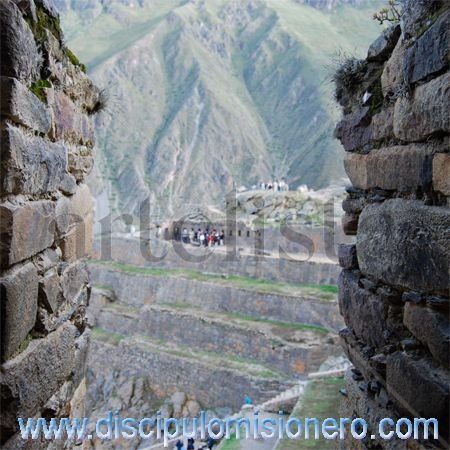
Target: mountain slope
[{"x": 211, "y": 94}]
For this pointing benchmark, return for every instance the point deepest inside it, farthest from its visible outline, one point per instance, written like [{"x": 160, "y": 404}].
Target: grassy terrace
[
  {"x": 321, "y": 399},
  {"x": 321, "y": 292},
  {"x": 106, "y": 336},
  {"x": 241, "y": 318},
  {"x": 232, "y": 317},
  {"x": 250, "y": 367}
]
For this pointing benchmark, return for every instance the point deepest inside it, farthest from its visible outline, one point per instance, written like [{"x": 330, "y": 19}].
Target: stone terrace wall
[
  {"x": 174, "y": 255},
  {"x": 221, "y": 387},
  {"x": 138, "y": 290},
  {"x": 191, "y": 329},
  {"x": 45, "y": 217},
  {"x": 394, "y": 289}
]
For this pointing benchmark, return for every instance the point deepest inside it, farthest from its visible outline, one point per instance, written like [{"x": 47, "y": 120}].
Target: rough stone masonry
[
  {"x": 47, "y": 103},
  {"x": 394, "y": 287}
]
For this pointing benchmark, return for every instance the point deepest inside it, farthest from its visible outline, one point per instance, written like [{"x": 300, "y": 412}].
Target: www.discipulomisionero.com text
[{"x": 165, "y": 430}]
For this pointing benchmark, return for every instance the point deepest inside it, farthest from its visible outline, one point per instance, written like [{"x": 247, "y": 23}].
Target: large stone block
[
  {"x": 47, "y": 260},
  {"x": 32, "y": 165},
  {"x": 363, "y": 311},
  {"x": 354, "y": 205},
  {"x": 71, "y": 123},
  {"x": 350, "y": 224},
  {"x": 25, "y": 229},
  {"x": 21, "y": 106},
  {"x": 80, "y": 162},
  {"x": 71, "y": 210},
  {"x": 77, "y": 85},
  {"x": 417, "y": 14},
  {"x": 19, "y": 54},
  {"x": 392, "y": 78},
  {"x": 430, "y": 327},
  {"x": 18, "y": 300},
  {"x": 354, "y": 130},
  {"x": 429, "y": 55},
  {"x": 383, "y": 125},
  {"x": 441, "y": 173},
  {"x": 418, "y": 388},
  {"x": 72, "y": 310},
  {"x": 382, "y": 47},
  {"x": 73, "y": 279},
  {"x": 50, "y": 291},
  {"x": 78, "y": 242},
  {"x": 402, "y": 168},
  {"x": 30, "y": 379},
  {"x": 426, "y": 113},
  {"x": 405, "y": 244},
  {"x": 347, "y": 256}
]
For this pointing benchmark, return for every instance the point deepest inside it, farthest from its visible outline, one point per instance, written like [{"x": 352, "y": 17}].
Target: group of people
[
  {"x": 203, "y": 238},
  {"x": 190, "y": 445},
  {"x": 277, "y": 186}
]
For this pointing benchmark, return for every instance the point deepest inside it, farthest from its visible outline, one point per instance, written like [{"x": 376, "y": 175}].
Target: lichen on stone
[{"x": 38, "y": 89}]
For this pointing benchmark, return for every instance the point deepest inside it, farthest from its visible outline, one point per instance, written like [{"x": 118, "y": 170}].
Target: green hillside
[{"x": 210, "y": 94}]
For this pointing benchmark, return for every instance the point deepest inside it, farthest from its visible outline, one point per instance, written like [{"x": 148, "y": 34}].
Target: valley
[{"x": 205, "y": 96}]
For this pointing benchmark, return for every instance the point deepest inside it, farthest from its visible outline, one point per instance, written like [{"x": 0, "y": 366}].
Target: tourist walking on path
[{"x": 179, "y": 445}]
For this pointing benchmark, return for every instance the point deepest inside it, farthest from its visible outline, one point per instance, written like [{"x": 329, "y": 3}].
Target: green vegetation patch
[
  {"x": 107, "y": 336},
  {"x": 246, "y": 318},
  {"x": 284, "y": 325},
  {"x": 44, "y": 22},
  {"x": 38, "y": 89},
  {"x": 220, "y": 360},
  {"x": 231, "y": 444},
  {"x": 321, "y": 400},
  {"x": 24, "y": 345},
  {"x": 317, "y": 291},
  {"x": 74, "y": 60}
]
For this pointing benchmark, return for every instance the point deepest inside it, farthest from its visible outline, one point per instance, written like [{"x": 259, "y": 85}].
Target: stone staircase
[
  {"x": 290, "y": 395},
  {"x": 284, "y": 398}
]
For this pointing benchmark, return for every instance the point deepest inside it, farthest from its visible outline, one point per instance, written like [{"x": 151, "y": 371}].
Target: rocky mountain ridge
[{"x": 207, "y": 95}]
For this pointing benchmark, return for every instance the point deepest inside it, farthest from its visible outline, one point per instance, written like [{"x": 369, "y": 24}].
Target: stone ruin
[
  {"x": 394, "y": 287},
  {"x": 47, "y": 102}
]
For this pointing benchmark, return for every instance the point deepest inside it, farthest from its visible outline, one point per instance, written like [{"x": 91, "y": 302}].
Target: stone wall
[
  {"x": 138, "y": 290},
  {"x": 45, "y": 217},
  {"x": 394, "y": 289},
  {"x": 251, "y": 341},
  {"x": 174, "y": 254},
  {"x": 215, "y": 385}
]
